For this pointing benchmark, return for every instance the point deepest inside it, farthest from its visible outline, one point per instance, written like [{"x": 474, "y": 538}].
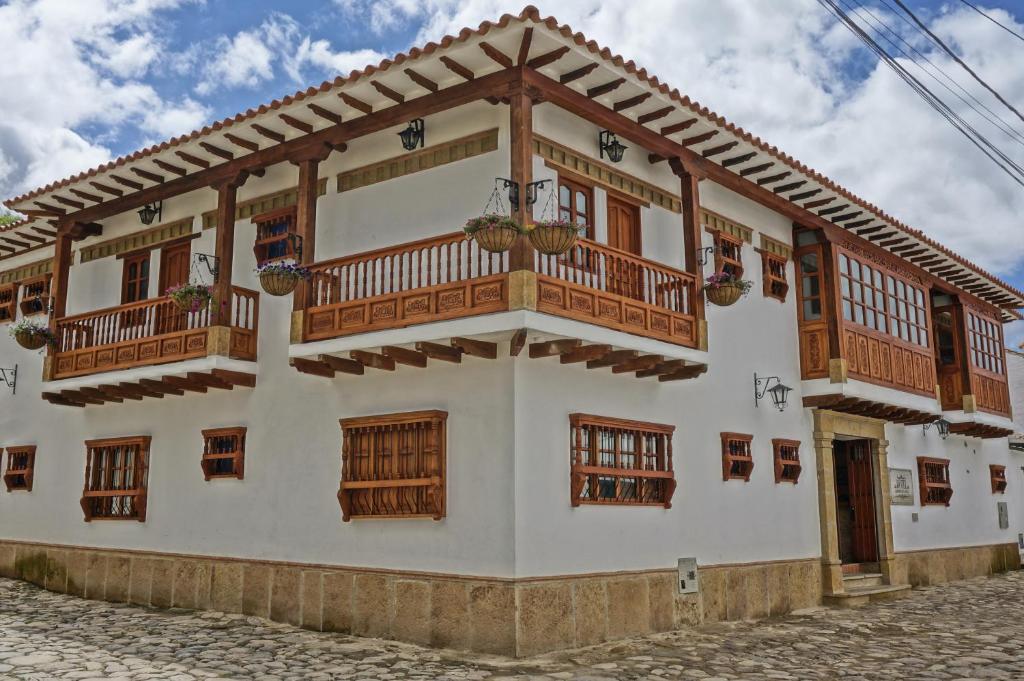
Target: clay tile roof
[{"x": 532, "y": 15}]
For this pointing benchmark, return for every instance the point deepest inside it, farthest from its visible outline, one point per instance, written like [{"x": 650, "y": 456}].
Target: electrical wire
[
  {"x": 1005, "y": 163},
  {"x": 938, "y": 41},
  {"x": 1002, "y": 26}
]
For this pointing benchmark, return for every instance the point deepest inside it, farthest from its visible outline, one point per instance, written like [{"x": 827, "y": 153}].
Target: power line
[
  {"x": 976, "y": 138},
  {"x": 999, "y": 122},
  {"x": 958, "y": 60},
  {"x": 1002, "y": 26}
]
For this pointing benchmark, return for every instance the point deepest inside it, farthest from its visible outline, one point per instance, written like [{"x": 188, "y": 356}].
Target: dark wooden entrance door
[
  {"x": 855, "y": 502},
  {"x": 624, "y": 277},
  {"x": 175, "y": 261}
]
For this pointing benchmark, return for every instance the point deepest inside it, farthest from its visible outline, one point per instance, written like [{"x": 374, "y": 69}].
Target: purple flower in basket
[
  {"x": 490, "y": 221},
  {"x": 719, "y": 279},
  {"x": 285, "y": 269},
  {"x": 191, "y": 297}
]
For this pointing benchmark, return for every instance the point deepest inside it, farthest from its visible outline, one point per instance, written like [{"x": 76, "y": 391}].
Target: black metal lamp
[
  {"x": 414, "y": 135},
  {"x": 779, "y": 392},
  {"x": 611, "y": 146},
  {"x": 150, "y": 212},
  {"x": 941, "y": 427}
]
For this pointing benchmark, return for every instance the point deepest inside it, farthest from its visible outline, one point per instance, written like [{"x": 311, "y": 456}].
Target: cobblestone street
[{"x": 966, "y": 630}]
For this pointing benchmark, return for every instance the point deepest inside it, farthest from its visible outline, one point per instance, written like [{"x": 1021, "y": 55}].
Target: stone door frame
[{"x": 827, "y": 425}]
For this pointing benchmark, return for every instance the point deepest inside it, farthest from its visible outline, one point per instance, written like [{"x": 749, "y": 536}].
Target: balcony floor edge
[{"x": 153, "y": 371}]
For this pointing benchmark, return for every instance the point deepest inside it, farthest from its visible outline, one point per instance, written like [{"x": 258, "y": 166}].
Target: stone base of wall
[
  {"x": 508, "y": 617},
  {"x": 936, "y": 566}
]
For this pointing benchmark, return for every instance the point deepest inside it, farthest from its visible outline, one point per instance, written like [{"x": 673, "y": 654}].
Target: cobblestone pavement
[{"x": 967, "y": 630}]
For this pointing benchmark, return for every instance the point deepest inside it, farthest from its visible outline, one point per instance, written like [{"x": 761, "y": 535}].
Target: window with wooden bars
[
  {"x": 21, "y": 462},
  {"x": 985, "y": 337},
  {"x": 998, "y": 475},
  {"x": 8, "y": 294},
  {"x": 35, "y": 295},
  {"x": 393, "y": 466},
  {"x": 617, "y": 461},
  {"x": 787, "y": 460},
  {"x": 728, "y": 253},
  {"x": 773, "y": 276},
  {"x": 933, "y": 475},
  {"x": 224, "y": 453},
  {"x": 115, "y": 479},
  {"x": 737, "y": 456},
  {"x": 274, "y": 235}
]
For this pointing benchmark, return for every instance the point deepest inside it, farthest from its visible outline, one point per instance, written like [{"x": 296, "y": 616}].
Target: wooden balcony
[
  {"x": 449, "y": 277},
  {"x": 153, "y": 332}
]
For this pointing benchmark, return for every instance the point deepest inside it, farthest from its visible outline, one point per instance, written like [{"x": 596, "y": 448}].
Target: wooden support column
[
  {"x": 227, "y": 193},
  {"x": 61, "y": 269},
  {"x": 521, "y": 138},
  {"x": 305, "y": 216},
  {"x": 689, "y": 192}
]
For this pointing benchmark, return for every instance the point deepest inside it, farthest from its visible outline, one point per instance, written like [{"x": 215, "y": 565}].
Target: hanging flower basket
[
  {"x": 191, "y": 297},
  {"x": 280, "y": 279},
  {"x": 493, "y": 232},
  {"x": 32, "y": 336},
  {"x": 554, "y": 237},
  {"x": 724, "y": 289}
]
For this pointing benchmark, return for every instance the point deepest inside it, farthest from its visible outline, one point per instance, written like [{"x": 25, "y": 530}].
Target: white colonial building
[{"x": 508, "y": 452}]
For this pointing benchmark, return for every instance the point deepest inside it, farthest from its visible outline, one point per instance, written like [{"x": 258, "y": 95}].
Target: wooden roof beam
[
  {"x": 421, "y": 80},
  {"x": 194, "y": 160},
  {"x": 678, "y": 127},
  {"x": 613, "y": 358},
  {"x": 548, "y": 57},
  {"x": 107, "y": 189},
  {"x": 268, "y": 133},
  {"x": 806, "y": 195},
  {"x": 147, "y": 175},
  {"x": 720, "y": 149},
  {"x": 325, "y": 114},
  {"x": 576, "y": 74},
  {"x": 697, "y": 139},
  {"x": 445, "y": 353},
  {"x": 67, "y": 202},
  {"x": 585, "y": 353},
  {"x": 85, "y": 195},
  {"x": 774, "y": 178},
  {"x": 655, "y": 115},
  {"x": 820, "y": 202},
  {"x": 754, "y": 170},
  {"x": 524, "y": 46},
  {"x": 457, "y": 68},
  {"x": 373, "y": 360},
  {"x": 476, "y": 348},
  {"x": 164, "y": 165},
  {"x": 783, "y": 188},
  {"x": 246, "y": 144},
  {"x": 217, "y": 151},
  {"x": 833, "y": 209},
  {"x": 736, "y": 160},
  {"x": 604, "y": 89},
  {"x": 379, "y": 87},
  {"x": 495, "y": 54},
  {"x": 343, "y": 365},
  {"x": 131, "y": 184},
  {"x": 630, "y": 102},
  {"x": 553, "y": 348},
  {"x": 412, "y": 358}
]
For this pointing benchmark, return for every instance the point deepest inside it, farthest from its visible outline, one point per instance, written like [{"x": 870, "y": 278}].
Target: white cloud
[{"x": 242, "y": 61}]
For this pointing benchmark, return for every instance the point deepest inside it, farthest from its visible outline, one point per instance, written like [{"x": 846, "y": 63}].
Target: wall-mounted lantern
[
  {"x": 611, "y": 146},
  {"x": 150, "y": 212},
  {"x": 941, "y": 427},
  {"x": 779, "y": 392},
  {"x": 414, "y": 135}
]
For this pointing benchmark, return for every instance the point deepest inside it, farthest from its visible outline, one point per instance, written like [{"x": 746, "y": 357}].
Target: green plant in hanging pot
[
  {"x": 724, "y": 288},
  {"x": 554, "y": 237},
  {"x": 493, "y": 232},
  {"x": 191, "y": 297},
  {"x": 281, "y": 278},
  {"x": 32, "y": 335}
]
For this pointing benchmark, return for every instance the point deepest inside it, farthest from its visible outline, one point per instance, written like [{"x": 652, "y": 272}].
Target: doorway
[
  {"x": 175, "y": 261},
  {"x": 856, "y": 520},
  {"x": 624, "y": 278}
]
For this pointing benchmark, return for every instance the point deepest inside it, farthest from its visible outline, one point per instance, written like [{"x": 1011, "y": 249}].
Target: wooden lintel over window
[
  {"x": 998, "y": 475},
  {"x": 274, "y": 235},
  {"x": 933, "y": 475},
  {"x": 35, "y": 295},
  {"x": 787, "y": 460},
  {"x": 21, "y": 462},
  {"x": 115, "y": 479},
  {"x": 8, "y": 297},
  {"x": 737, "y": 456},
  {"x": 224, "y": 453},
  {"x": 773, "y": 275},
  {"x": 618, "y": 461},
  {"x": 393, "y": 466}
]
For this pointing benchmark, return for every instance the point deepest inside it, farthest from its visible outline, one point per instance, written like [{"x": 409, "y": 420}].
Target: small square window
[
  {"x": 934, "y": 479},
  {"x": 737, "y": 456},
  {"x": 21, "y": 463},
  {"x": 998, "y": 475},
  {"x": 115, "y": 479},
  {"x": 224, "y": 453},
  {"x": 787, "y": 460}
]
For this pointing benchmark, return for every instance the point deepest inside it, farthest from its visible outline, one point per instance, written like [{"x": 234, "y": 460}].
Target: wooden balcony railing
[
  {"x": 603, "y": 285},
  {"x": 449, "y": 276},
  {"x": 428, "y": 280},
  {"x": 151, "y": 332}
]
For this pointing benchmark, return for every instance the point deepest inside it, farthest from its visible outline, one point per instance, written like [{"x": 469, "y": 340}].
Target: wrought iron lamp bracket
[
  {"x": 531, "y": 191},
  {"x": 212, "y": 263},
  {"x": 10, "y": 378},
  {"x": 780, "y": 391},
  {"x": 704, "y": 255}
]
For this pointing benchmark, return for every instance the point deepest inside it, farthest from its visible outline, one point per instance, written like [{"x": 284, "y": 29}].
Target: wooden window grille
[
  {"x": 737, "y": 456},
  {"x": 986, "y": 342},
  {"x": 576, "y": 204},
  {"x": 393, "y": 466},
  {"x": 728, "y": 253},
  {"x": 616, "y": 461},
  {"x": 773, "y": 274},
  {"x": 35, "y": 295},
  {"x": 7, "y": 302},
  {"x": 115, "y": 479},
  {"x": 934, "y": 480},
  {"x": 881, "y": 302},
  {"x": 21, "y": 462},
  {"x": 274, "y": 235},
  {"x": 998, "y": 475},
  {"x": 787, "y": 460},
  {"x": 224, "y": 453}
]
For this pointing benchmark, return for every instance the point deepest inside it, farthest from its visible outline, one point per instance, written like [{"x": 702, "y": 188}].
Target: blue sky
[{"x": 88, "y": 80}]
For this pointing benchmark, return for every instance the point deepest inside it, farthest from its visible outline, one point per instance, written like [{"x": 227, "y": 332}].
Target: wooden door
[
  {"x": 950, "y": 362},
  {"x": 624, "y": 278},
  {"x": 175, "y": 261},
  {"x": 862, "y": 501}
]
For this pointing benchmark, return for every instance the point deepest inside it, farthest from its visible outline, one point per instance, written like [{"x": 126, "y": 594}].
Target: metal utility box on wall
[{"x": 688, "y": 581}]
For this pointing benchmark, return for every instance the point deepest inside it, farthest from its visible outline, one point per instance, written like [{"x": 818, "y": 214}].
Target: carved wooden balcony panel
[{"x": 150, "y": 332}]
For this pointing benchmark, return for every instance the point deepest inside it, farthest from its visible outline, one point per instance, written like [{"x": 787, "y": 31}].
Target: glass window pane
[
  {"x": 563, "y": 196},
  {"x": 844, "y": 286},
  {"x": 844, "y": 264},
  {"x": 812, "y": 309},
  {"x": 858, "y": 314},
  {"x": 847, "y": 311},
  {"x": 581, "y": 202}
]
